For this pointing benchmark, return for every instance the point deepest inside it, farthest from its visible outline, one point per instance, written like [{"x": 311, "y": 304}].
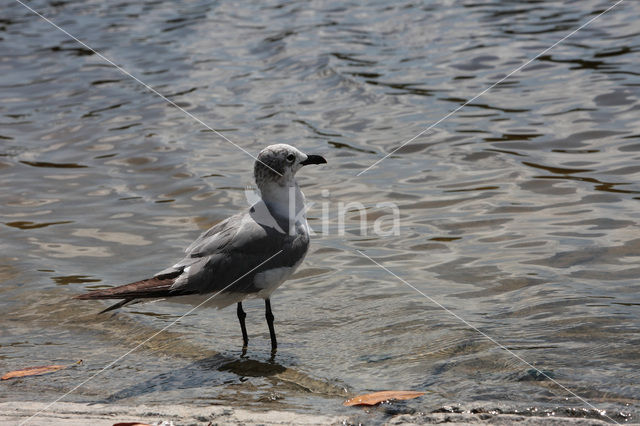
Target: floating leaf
[
  {"x": 33, "y": 371},
  {"x": 131, "y": 424},
  {"x": 378, "y": 397},
  {"x": 36, "y": 371}
]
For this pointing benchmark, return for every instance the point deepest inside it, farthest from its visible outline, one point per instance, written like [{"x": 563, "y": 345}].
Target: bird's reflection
[{"x": 208, "y": 372}]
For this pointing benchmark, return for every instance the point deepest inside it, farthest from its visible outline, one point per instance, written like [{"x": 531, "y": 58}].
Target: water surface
[{"x": 519, "y": 214}]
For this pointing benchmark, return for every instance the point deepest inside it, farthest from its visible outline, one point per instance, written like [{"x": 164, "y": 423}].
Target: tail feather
[
  {"x": 118, "y": 305},
  {"x": 152, "y": 287},
  {"x": 156, "y": 287}
]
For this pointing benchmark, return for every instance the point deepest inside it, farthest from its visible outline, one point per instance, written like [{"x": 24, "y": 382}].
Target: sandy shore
[{"x": 73, "y": 414}]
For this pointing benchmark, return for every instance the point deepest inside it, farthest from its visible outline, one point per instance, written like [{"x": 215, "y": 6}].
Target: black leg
[
  {"x": 241, "y": 316},
  {"x": 272, "y": 332}
]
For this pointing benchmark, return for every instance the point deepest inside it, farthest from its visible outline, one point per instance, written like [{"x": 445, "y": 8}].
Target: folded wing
[{"x": 228, "y": 254}]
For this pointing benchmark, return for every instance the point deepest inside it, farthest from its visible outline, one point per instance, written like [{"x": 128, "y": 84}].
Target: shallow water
[{"x": 518, "y": 214}]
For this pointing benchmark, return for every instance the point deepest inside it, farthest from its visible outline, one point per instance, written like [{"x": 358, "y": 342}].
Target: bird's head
[{"x": 279, "y": 164}]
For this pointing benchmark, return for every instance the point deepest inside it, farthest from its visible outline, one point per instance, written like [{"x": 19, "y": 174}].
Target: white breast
[{"x": 271, "y": 279}]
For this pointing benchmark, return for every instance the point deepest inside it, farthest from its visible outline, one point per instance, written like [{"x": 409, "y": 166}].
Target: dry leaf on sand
[
  {"x": 131, "y": 424},
  {"x": 36, "y": 371},
  {"x": 378, "y": 397}
]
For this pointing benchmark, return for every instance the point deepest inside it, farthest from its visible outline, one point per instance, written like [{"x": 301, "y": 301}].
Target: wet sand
[{"x": 65, "y": 413}]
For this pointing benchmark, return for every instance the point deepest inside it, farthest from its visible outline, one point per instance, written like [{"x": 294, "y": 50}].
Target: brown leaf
[
  {"x": 33, "y": 371},
  {"x": 378, "y": 397},
  {"x": 36, "y": 371},
  {"x": 131, "y": 424}
]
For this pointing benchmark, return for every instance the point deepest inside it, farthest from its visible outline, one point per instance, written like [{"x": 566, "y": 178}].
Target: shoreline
[{"x": 76, "y": 414}]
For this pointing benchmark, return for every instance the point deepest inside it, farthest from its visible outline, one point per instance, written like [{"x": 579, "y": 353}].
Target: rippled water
[{"x": 519, "y": 214}]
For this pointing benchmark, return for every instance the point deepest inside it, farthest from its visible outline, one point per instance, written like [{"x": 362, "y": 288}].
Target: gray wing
[
  {"x": 232, "y": 252},
  {"x": 213, "y": 239}
]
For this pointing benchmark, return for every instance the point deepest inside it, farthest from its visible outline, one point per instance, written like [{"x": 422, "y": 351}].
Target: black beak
[{"x": 314, "y": 159}]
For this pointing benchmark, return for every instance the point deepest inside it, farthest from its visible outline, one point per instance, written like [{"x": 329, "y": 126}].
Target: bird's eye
[{"x": 291, "y": 158}]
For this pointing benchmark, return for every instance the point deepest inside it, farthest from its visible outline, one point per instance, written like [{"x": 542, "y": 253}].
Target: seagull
[{"x": 247, "y": 255}]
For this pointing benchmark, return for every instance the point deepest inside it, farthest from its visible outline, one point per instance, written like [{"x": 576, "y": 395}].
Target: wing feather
[{"x": 229, "y": 252}]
